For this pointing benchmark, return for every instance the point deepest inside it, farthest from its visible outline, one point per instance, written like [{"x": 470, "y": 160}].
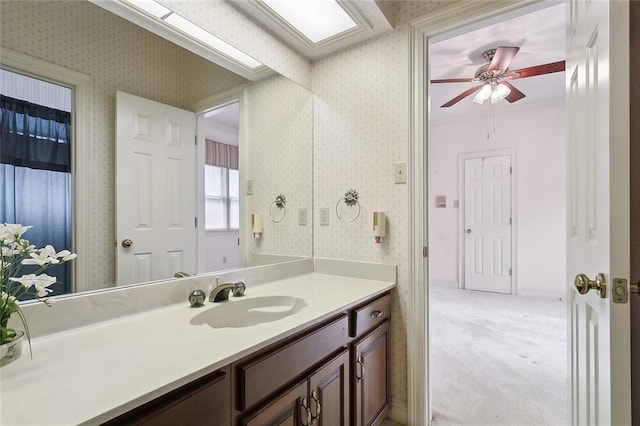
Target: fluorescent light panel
[
  {"x": 316, "y": 19},
  {"x": 194, "y": 31}
]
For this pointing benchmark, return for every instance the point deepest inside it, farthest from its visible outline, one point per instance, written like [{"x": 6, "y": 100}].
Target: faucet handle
[{"x": 239, "y": 288}]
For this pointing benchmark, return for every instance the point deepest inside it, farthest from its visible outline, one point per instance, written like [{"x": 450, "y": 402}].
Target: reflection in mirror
[{"x": 274, "y": 129}]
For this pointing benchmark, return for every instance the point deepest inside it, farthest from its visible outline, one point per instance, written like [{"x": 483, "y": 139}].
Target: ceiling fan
[{"x": 494, "y": 75}]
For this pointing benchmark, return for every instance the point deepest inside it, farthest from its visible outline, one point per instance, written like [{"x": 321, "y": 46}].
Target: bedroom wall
[{"x": 536, "y": 133}]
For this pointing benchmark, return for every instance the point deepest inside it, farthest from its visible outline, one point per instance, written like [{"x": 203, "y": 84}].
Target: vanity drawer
[
  {"x": 368, "y": 316},
  {"x": 258, "y": 377}
]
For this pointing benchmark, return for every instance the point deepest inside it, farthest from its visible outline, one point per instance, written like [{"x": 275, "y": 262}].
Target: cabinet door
[
  {"x": 329, "y": 392},
  {"x": 288, "y": 409},
  {"x": 204, "y": 402},
  {"x": 372, "y": 377}
]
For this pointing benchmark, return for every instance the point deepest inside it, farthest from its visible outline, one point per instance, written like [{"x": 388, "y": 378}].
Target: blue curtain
[{"x": 35, "y": 177}]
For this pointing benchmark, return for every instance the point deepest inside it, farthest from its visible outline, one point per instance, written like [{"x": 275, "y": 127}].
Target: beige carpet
[{"x": 497, "y": 359}]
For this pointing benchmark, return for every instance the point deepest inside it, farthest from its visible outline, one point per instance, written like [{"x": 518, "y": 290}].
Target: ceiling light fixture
[
  {"x": 492, "y": 90},
  {"x": 317, "y": 20},
  {"x": 193, "y": 31}
]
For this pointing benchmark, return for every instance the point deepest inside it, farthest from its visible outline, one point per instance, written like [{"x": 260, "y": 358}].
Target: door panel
[
  {"x": 487, "y": 218},
  {"x": 598, "y": 208},
  {"x": 155, "y": 190},
  {"x": 331, "y": 386}
]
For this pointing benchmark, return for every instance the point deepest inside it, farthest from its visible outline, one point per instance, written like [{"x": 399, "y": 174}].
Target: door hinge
[
  {"x": 195, "y": 140},
  {"x": 510, "y": 221},
  {"x": 510, "y": 170},
  {"x": 195, "y": 222},
  {"x": 425, "y": 252},
  {"x": 509, "y": 271}
]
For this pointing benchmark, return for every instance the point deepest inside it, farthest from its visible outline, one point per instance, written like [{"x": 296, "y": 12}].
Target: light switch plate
[
  {"x": 400, "y": 172},
  {"x": 302, "y": 217},
  {"x": 324, "y": 216},
  {"x": 249, "y": 186}
]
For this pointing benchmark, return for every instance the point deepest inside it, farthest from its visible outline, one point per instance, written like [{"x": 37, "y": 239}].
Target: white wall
[{"x": 536, "y": 132}]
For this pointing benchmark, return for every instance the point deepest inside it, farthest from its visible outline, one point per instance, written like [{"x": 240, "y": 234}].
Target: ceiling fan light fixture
[
  {"x": 483, "y": 94},
  {"x": 499, "y": 92}
]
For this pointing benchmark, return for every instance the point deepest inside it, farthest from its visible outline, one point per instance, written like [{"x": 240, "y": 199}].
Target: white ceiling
[{"x": 541, "y": 38}]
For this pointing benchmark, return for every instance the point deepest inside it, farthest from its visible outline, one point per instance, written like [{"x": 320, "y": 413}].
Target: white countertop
[{"x": 92, "y": 374}]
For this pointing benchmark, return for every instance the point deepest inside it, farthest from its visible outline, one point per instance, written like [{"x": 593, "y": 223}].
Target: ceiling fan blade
[
  {"x": 461, "y": 96},
  {"x": 536, "y": 70},
  {"x": 515, "y": 94},
  {"x": 502, "y": 59},
  {"x": 453, "y": 80}
]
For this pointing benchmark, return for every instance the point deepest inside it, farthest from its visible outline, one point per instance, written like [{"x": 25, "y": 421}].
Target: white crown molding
[{"x": 82, "y": 149}]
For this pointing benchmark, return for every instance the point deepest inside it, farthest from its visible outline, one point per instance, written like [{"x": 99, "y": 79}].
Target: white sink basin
[{"x": 250, "y": 311}]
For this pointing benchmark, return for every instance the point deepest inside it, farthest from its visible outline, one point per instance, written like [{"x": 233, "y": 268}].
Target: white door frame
[
  {"x": 236, "y": 94},
  {"x": 511, "y": 152},
  {"x": 456, "y": 16},
  {"x": 83, "y": 222}
]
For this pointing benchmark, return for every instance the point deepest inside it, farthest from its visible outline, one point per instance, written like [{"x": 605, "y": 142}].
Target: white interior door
[
  {"x": 598, "y": 209},
  {"x": 487, "y": 223},
  {"x": 156, "y": 189}
]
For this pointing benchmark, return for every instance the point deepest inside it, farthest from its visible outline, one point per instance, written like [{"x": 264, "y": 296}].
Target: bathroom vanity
[
  {"x": 333, "y": 373},
  {"x": 320, "y": 355}
]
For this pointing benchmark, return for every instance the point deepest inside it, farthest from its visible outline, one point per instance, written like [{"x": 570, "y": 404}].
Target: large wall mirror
[{"x": 254, "y": 142}]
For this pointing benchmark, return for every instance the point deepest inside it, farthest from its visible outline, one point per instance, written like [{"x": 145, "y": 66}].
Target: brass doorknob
[
  {"x": 127, "y": 243},
  {"x": 584, "y": 284}
]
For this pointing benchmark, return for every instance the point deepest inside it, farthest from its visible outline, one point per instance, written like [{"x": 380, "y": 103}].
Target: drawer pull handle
[
  {"x": 360, "y": 364},
  {"x": 314, "y": 396},
  {"x": 376, "y": 313},
  {"x": 307, "y": 414}
]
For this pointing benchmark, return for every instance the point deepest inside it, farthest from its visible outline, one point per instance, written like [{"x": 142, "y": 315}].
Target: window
[
  {"x": 221, "y": 186},
  {"x": 35, "y": 165}
]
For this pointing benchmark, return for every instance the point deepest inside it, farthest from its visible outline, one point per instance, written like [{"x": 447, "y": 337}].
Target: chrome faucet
[{"x": 221, "y": 292}]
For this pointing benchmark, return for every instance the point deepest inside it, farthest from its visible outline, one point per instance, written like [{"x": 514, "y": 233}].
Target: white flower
[
  {"x": 46, "y": 256},
  {"x": 39, "y": 282},
  {"x": 12, "y": 231},
  {"x": 66, "y": 255}
]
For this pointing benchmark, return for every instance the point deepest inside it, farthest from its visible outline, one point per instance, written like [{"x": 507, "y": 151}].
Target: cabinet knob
[{"x": 376, "y": 313}]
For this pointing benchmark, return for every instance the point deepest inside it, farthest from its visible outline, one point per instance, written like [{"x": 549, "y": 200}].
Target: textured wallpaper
[
  {"x": 280, "y": 162},
  {"x": 119, "y": 56},
  {"x": 223, "y": 20},
  {"x": 361, "y": 127}
]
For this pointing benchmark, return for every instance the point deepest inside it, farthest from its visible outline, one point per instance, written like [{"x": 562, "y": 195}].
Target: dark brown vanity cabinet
[
  {"x": 304, "y": 380},
  {"x": 333, "y": 373},
  {"x": 370, "y": 355},
  {"x": 205, "y": 402},
  {"x": 322, "y": 398}
]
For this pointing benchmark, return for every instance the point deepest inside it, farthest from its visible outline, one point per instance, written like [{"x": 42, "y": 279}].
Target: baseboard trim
[
  {"x": 542, "y": 294},
  {"x": 444, "y": 283},
  {"x": 398, "y": 412}
]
